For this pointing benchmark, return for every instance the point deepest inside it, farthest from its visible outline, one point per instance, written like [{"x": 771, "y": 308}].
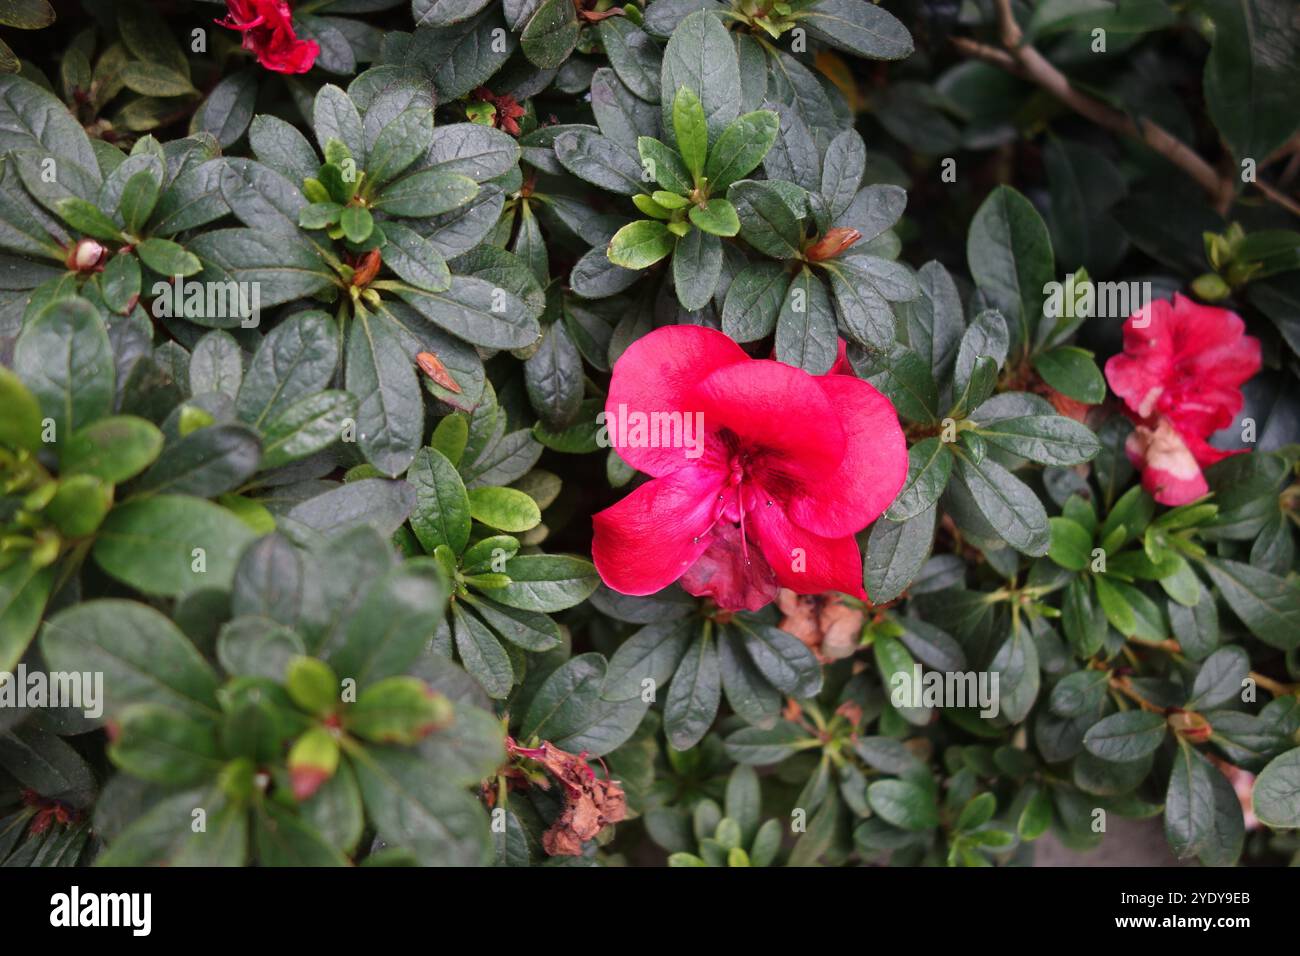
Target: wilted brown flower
[
  {"x": 831, "y": 628},
  {"x": 590, "y": 802}
]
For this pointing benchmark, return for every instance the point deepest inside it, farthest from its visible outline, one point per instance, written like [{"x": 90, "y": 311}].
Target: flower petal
[
  {"x": 778, "y": 411},
  {"x": 806, "y": 562},
  {"x": 658, "y": 373},
  {"x": 1170, "y": 472},
  {"x": 646, "y": 541},
  {"x": 871, "y": 472},
  {"x": 736, "y": 577}
]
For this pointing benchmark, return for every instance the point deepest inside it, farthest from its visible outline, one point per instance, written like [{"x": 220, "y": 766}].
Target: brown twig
[
  {"x": 1274, "y": 687},
  {"x": 1025, "y": 61}
]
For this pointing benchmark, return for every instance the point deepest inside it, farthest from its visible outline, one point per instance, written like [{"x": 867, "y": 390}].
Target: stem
[{"x": 1025, "y": 61}]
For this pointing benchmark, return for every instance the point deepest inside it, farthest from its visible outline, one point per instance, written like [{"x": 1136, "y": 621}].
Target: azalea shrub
[{"x": 704, "y": 432}]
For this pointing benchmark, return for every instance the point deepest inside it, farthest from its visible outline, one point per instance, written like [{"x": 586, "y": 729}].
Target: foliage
[{"x": 300, "y": 444}]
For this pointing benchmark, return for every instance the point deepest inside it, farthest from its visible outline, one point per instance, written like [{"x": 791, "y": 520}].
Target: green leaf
[
  {"x": 701, "y": 55},
  {"x": 1016, "y": 663},
  {"x": 442, "y": 508},
  {"x": 24, "y": 591},
  {"x": 1125, "y": 737},
  {"x": 227, "y": 110},
  {"x": 906, "y": 379},
  {"x": 697, "y": 268},
  {"x": 766, "y": 221},
  {"x": 413, "y": 807},
  {"x": 1084, "y": 622},
  {"x": 309, "y": 425},
  {"x": 390, "y": 416},
  {"x": 356, "y": 223},
  {"x": 1071, "y": 546},
  {"x": 112, "y": 449},
  {"x": 665, "y": 165},
  {"x": 143, "y": 656},
  {"x": 1010, "y": 255},
  {"x": 20, "y": 426},
  {"x": 756, "y": 746},
  {"x": 748, "y": 692},
  {"x": 1267, "y": 604},
  {"x": 526, "y": 629},
  {"x": 1081, "y": 694},
  {"x": 554, "y": 378},
  {"x": 31, "y": 117},
  {"x": 399, "y": 144},
  {"x": 717, "y": 216},
  {"x": 640, "y": 244},
  {"x": 170, "y": 544},
  {"x": 259, "y": 647},
  {"x": 64, "y": 357},
  {"x": 1011, "y": 507},
  {"x": 504, "y": 509},
  {"x": 165, "y": 746},
  {"x": 120, "y": 283},
  {"x": 693, "y": 695},
  {"x": 296, "y": 359},
  {"x": 283, "y": 838},
  {"x": 599, "y": 160},
  {"x": 929, "y": 465},
  {"x": 740, "y": 149},
  {"x": 987, "y": 336},
  {"x": 1045, "y": 439},
  {"x": 896, "y": 550},
  {"x": 428, "y": 192},
  {"x": 1220, "y": 679},
  {"x": 205, "y": 463},
  {"x": 783, "y": 659},
  {"x": 168, "y": 258},
  {"x": 857, "y": 28},
  {"x": 691, "y": 130},
  {"x": 162, "y": 835},
  {"x": 1189, "y": 803},
  {"x": 478, "y": 311},
  {"x": 1252, "y": 69},
  {"x": 754, "y": 301},
  {"x": 652, "y": 653},
  {"x": 139, "y": 197},
  {"x": 634, "y": 56},
  {"x": 1277, "y": 792},
  {"x": 1072, "y": 372},
  {"x": 393, "y": 624},
  {"x": 865, "y": 314},
  {"x": 284, "y": 267},
  {"x": 565, "y": 698},
  {"x": 318, "y": 215},
  {"x": 550, "y": 34},
  {"x": 546, "y": 582},
  {"x": 482, "y": 654},
  {"x": 805, "y": 329},
  {"x": 978, "y": 810},
  {"x": 904, "y": 803}
]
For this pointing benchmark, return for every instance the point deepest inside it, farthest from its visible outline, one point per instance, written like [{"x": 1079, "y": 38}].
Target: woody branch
[{"x": 1022, "y": 59}]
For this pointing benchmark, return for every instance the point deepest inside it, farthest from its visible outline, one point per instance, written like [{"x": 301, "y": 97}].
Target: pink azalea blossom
[
  {"x": 791, "y": 467},
  {"x": 1180, "y": 376},
  {"x": 267, "y": 26}
]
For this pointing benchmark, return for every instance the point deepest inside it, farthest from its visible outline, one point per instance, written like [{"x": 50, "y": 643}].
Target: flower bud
[
  {"x": 832, "y": 244},
  {"x": 86, "y": 255},
  {"x": 313, "y": 759}
]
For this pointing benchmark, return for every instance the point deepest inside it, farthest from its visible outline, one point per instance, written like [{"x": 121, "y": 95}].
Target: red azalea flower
[
  {"x": 268, "y": 31},
  {"x": 1180, "y": 375},
  {"x": 774, "y": 472}
]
